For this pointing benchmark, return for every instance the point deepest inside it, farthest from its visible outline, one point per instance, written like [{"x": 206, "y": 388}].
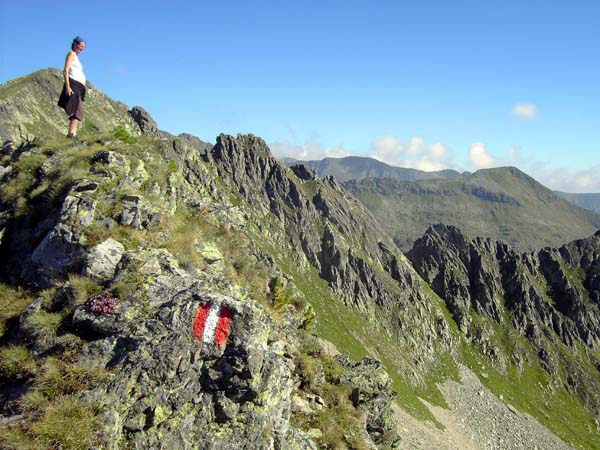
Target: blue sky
[{"x": 424, "y": 84}]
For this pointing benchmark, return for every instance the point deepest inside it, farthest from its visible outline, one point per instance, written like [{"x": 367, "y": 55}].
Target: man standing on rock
[{"x": 73, "y": 93}]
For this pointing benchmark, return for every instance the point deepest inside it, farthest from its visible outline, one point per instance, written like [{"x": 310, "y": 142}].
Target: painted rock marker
[{"x": 212, "y": 323}]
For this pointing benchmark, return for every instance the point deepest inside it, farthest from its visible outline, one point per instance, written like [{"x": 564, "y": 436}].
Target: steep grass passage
[{"x": 357, "y": 336}]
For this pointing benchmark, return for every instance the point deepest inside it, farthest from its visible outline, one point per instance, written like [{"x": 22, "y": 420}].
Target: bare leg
[{"x": 73, "y": 126}]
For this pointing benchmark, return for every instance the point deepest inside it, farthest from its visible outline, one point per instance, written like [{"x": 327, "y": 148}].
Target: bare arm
[{"x": 68, "y": 62}]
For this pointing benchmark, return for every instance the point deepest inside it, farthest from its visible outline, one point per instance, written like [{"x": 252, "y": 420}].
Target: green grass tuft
[
  {"x": 16, "y": 363},
  {"x": 59, "y": 378},
  {"x": 341, "y": 424},
  {"x": 43, "y": 326},
  {"x": 12, "y": 302},
  {"x": 66, "y": 423},
  {"x": 123, "y": 135},
  {"x": 82, "y": 289}
]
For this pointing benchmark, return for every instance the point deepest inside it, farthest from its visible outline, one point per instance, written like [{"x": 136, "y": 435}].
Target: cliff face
[
  {"x": 551, "y": 297},
  {"x": 324, "y": 227}
]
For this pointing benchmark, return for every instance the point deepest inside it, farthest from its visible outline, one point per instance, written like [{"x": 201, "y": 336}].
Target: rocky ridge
[
  {"x": 322, "y": 226},
  {"x": 166, "y": 383},
  {"x": 129, "y": 241},
  {"x": 550, "y": 297}
]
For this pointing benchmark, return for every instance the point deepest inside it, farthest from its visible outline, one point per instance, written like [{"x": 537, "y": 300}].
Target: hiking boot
[{"x": 72, "y": 136}]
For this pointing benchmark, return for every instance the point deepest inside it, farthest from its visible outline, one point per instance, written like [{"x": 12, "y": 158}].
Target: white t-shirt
[{"x": 76, "y": 70}]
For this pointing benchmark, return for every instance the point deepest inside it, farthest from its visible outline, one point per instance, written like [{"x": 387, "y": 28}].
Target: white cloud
[
  {"x": 416, "y": 145},
  {"x": 481, "y": 158},
  {"x": 525, "y": 110},
  {"x": 427, "y": 165},
  {"x": 310, "y": 150},
  {"x": 439, "y": 150},
  {"x": 414, "y": 155},
  {"x": 514, "y": 155},
  {"x": 560, "y": 179},
  {"x": 387, "y": 147}
]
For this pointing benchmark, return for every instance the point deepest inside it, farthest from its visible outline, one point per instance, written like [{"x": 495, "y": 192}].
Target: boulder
[
  {"x": 195, "y": 390},
  {"x": 138, "y": 213},
  {"x": 102, "y": 260},
  {"x": 62, "y": 249},
  {"x": 113, "y": 161},
  {"x": 373, "y": 393}
]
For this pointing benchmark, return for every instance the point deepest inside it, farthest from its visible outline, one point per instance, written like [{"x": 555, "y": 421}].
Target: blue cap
[{"x": 78, "y": 40}]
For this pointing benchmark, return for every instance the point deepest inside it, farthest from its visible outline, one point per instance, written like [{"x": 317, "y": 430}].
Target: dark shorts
[
  {"x": 73, "y": 104},
  {"x": 78, "y": 109}
]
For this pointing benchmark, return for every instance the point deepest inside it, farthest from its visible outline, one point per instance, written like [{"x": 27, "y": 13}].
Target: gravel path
[{"x": 476, "y": 420}]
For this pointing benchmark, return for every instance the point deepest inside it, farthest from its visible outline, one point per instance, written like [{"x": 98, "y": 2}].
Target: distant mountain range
[
  {"x": 587, "y": 201},
  {"x": 503, "y": 203},
  {"x": 359, "y": 168}
]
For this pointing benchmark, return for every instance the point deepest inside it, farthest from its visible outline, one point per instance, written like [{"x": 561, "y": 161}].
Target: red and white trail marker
[{"x": 212, "y": 323}]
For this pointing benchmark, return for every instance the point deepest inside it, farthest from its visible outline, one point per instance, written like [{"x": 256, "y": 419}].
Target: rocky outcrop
[
  {"x": 461, "y": 271},
  {"x": 144, "y": 120},
  {"x": 318, "y": 220},
  {"x": 173, "y": 383},
  {"x": 304, "y": 172},
  {"x": 101, "y": 260},
  {"x": 179, "y": 388},
  {"x": 373, "y": 394},
  {"x": 138, "y": 213},
  {"x": 61, "y": 248},
  {"x": 489, "y": 277},
  {"x": 549, "y": 297}
]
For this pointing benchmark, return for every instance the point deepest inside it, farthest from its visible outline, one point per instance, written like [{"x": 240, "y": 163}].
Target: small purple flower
[{"x": 103, "y": 303}]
